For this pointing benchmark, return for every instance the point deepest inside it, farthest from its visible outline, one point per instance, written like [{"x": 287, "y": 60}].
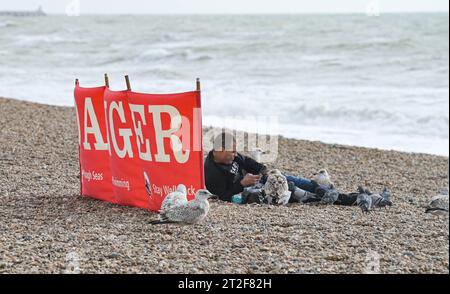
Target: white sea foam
[{"x": 349, "y": 79}]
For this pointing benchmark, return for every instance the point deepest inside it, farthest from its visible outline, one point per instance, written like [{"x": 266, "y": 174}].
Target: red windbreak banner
[
  {"x": 154, "y": 143},
  {"x": 95, "y": 171},
  {"x": 168, "y": 129}
]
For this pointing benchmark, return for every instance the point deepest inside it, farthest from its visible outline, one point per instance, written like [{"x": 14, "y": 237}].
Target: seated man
[
  {"x": 224, "y": 168},
  {"x": 227, "y": 172}
]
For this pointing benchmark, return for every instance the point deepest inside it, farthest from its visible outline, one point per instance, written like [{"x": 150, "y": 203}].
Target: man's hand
[{"x": 250, "y": 180}]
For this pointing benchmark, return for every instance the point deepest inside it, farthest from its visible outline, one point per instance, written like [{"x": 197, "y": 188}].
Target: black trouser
[{"x": 347, "y": 199}]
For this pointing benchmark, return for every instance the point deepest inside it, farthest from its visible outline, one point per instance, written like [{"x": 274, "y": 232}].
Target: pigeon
[
  {"x": 276, "y": 188},
  {"x": 178, "y": 197},
  {"x": 386, "y": 194},
  {"x": 300, "y": 195},
  {"x": 322, "y": 178},
  {"x": 330, "y": 196},
  {"x": 379, "y": 200},
  {"x": 364, "y": 201},
  {"x": 253, "y": 194},
  {"x": 439, "y": 203},
  {"x": 367, "y": 200},
  {"x": 191, "y": 212}
]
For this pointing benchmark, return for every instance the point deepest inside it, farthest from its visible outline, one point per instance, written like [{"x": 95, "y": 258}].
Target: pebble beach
[{"x": 47, "y": 227}]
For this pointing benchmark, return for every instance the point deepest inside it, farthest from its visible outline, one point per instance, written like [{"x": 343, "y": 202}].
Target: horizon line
[{"x": 249, "y": 13}]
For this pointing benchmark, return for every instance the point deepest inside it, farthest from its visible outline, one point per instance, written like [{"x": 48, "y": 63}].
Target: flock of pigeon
[
  {"x": 277, "y": 190},
  {"x": 367, "y": 200}
]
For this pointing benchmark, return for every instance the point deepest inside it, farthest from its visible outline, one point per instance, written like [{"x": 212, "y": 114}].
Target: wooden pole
[
  {"x": 198, "y": 84},
  {"x": 77, "y": 82},
  {"x": 127, "y": 80},
  {"x": 106, "y": 80}
]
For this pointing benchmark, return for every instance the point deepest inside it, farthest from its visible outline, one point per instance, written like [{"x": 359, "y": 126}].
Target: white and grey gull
[{"x": 185, "y": 212}]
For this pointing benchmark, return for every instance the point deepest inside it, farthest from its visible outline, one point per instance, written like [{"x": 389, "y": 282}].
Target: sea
[{"x": 353, "y": 79}]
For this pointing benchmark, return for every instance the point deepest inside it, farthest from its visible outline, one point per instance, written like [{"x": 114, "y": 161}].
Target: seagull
[
  {"x": 256, "y": 154},
  {"x": 439, "y": 203},
  {"x": 322, "y": 178},
  {"x": 191, "y": 212},
  {"x": 177, "y": 197},
  {"x": 276, "y": 188}
]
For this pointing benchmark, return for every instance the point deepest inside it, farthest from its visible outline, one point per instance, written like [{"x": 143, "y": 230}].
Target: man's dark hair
[{"x": 224, "y": 142}]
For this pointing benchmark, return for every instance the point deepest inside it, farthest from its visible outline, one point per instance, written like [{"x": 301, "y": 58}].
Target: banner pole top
[
  {"x": 198, "y": 84},
  {"x": 77, "y": 82},
  {"x": 127, "y": 80},
  {"x": 106, "y": 80}
]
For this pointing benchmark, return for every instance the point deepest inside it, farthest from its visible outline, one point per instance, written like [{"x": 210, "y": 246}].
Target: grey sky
[{"x": 226, "y": 6}]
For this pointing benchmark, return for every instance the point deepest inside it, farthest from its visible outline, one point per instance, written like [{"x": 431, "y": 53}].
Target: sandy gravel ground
[{"x": 46, "y": 227}]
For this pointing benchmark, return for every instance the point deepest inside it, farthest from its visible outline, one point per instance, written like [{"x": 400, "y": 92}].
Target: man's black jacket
[{"x": 224, "y": 180}]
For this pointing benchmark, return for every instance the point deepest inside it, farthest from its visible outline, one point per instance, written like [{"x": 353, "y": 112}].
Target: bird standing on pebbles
[
  {"x": 364, "y": 201},
  {"x": 381, "y": 200},
  {"x": 256, "y": 154},
  {"x": 191, "y": 212},
  {"x": 300, "y": 195},
  {"x": 276, "y": 188},
  {"x": 177, "y": 197},
  {"x": 439, "y": 203},
  {"x": 330, "y": 196},
  {"x": 322, "y": 178}
]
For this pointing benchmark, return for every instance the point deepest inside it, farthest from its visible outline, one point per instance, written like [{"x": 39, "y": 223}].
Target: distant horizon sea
[{"x": 351, "y": 79}]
